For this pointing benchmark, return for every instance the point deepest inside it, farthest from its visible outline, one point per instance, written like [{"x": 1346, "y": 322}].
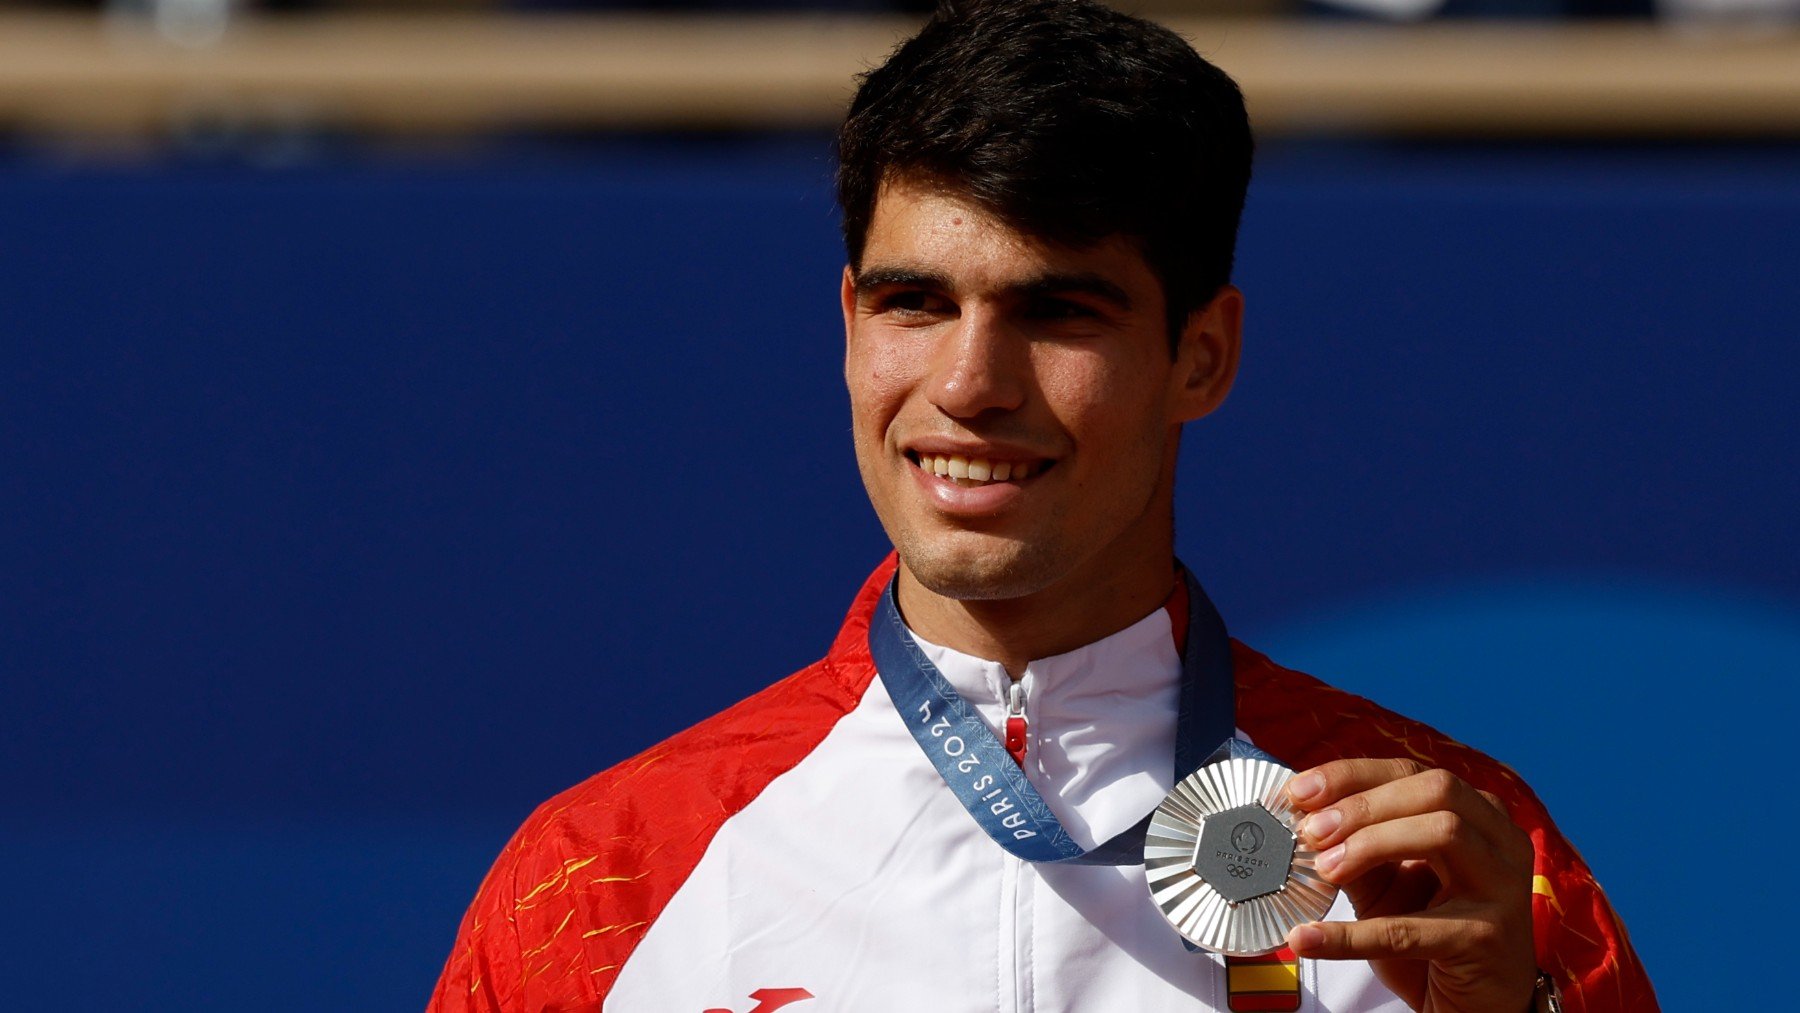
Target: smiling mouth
[{"x": 976, "y": 471}]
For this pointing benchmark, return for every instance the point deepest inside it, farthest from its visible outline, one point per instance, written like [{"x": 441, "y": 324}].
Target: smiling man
[
  {"x": 1016, "y": 402},
  {"x": 947, "y": 812}
]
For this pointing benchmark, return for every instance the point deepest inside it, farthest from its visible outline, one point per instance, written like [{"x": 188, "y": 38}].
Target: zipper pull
[{"x": 1015, "y": 723}]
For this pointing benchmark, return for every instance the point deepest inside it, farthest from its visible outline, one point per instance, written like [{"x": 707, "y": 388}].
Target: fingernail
[
  {"x": 1305, "y": 937},
  {"x": 1330, "y": 860},
  {"x": 1321, "y": 825},
  {"x": 1305, "y": 786}
]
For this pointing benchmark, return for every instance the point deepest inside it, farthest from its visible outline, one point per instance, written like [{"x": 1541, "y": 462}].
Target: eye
[
  {"x": 913, "y": 304},
  {"x": 1058, "y": 309}
]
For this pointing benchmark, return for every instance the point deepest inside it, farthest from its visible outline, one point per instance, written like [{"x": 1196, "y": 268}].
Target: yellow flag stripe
[
  {"x": 1541, "y": 885},
  {"x": 1265, "y": 978}
]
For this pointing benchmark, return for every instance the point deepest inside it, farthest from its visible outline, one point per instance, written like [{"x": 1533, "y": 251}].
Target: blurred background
[{"x": 403, "y": 402}]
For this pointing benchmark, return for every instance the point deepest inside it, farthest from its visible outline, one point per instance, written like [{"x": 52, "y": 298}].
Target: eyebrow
[
  {"x": 1041, "y": 286},
  {"x": 878, "y": 277},
  {"x": 1079, "y": 283}
]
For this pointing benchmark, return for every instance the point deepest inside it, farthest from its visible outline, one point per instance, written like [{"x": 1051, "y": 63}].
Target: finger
[
  {"x": 1374, "y": 889},
  {"x": 1463, "y": 858},
  {"x": 1395, "y": 889},
  {"x": 1428, "y": 936},
  {"x": 1314, "y": 789},
  {"x": 1424, "y": 792}
]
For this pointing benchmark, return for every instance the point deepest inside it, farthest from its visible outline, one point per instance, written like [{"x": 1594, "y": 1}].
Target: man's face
[{"x": 1038, "y": 376}]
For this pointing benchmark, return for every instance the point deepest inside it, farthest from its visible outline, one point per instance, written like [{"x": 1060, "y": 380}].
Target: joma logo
[{"x": 770, "y": 999}]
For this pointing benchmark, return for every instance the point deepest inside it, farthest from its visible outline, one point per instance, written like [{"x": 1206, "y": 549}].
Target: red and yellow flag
[{"x": 1266, "y": 984}]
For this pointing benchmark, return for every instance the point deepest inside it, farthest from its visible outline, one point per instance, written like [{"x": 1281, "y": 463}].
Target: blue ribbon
[{"x": 984, "y": 778}]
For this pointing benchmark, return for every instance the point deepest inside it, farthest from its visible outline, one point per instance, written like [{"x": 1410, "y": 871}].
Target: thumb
[{"x": 1403, "y": 938}]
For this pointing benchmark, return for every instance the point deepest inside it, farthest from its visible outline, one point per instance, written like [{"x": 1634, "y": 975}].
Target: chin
[{"x": 979, "y": 569}]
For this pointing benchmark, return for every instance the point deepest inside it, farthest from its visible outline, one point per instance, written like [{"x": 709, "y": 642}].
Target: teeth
[{"x": 974, "y": 470}]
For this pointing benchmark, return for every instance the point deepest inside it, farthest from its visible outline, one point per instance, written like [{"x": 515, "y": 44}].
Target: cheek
[
  {"x": 879, "y": 375},
  {"x": 1113, "y": 408},
  {"x": 1087, "y": 390}
]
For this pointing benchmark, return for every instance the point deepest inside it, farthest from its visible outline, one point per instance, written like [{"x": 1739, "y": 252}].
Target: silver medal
[{"x": 1224, "y": 861}]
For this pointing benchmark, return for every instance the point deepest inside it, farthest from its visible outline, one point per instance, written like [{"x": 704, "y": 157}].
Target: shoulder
[
  {"x": 1580, "y": 939},
  {"x": 589, "y": 871},
  {"x": 1306, "y": 722},
  {"x": 669, "y": 800}
]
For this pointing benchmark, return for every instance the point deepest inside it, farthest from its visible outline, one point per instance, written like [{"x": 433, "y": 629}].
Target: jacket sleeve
[
  {"x": 482, "y": 974},
  {"x": 1580, "y": 940}
]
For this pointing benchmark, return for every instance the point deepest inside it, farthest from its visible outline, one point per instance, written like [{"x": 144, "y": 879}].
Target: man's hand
[{"x": 1440, "y": 878}]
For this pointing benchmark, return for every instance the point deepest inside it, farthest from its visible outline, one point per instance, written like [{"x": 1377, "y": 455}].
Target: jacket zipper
[
  {"x": 1018, "y": 880},
  {"x": 1016, "y": 740}
]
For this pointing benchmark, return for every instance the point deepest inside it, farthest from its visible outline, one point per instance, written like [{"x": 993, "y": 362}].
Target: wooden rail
[{"x": 454, "y": 73}]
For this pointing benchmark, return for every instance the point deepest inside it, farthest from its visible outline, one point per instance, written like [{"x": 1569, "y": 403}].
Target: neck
[{"x": 1091, "y": 602}]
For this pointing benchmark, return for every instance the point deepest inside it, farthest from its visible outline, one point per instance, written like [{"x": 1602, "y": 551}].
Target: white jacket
[{"x": 799, "y": 850}]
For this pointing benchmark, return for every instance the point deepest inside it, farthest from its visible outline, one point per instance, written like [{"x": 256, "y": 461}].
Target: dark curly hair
[{"x": 1068, "y": 120}]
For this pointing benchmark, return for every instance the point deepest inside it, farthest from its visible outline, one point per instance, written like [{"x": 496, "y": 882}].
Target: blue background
[{"x": 353, "y": 505}]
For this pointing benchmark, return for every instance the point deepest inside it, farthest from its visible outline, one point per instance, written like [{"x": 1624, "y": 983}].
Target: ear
[
  {"x": 1206, "y": 356},
  {"x": 847, "y": 299}
]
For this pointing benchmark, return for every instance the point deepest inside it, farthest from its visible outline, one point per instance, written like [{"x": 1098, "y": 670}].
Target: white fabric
[{"x": 858, "y": 877}]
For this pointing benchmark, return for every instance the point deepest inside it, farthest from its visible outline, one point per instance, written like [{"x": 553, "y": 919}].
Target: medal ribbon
[{"x": 984, "y": 778}]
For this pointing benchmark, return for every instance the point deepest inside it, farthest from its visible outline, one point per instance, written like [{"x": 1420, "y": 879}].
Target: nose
[{"x": 979, "y": 366}]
